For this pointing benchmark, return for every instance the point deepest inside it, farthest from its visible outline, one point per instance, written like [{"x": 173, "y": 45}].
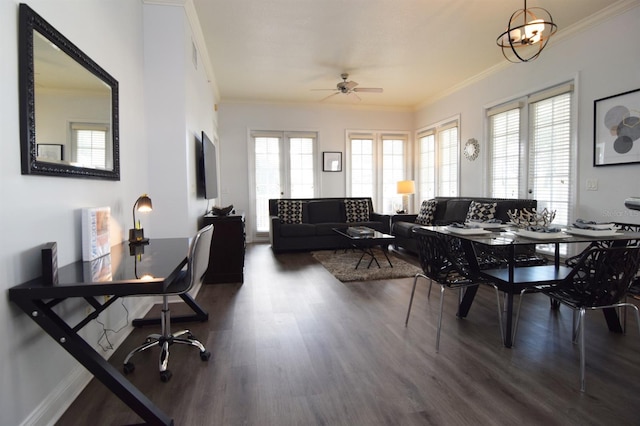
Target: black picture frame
[
  {"x": 332, "y": 161},
  {"x": 616, "y": 129},
  {"x": 32, "y": 28}
]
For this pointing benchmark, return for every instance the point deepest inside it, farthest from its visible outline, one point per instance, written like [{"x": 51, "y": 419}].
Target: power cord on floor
[{"x": 104, "y": 335}]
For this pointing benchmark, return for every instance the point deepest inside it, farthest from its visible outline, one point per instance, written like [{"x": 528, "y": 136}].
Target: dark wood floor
[{"x": 294, "y": 346}]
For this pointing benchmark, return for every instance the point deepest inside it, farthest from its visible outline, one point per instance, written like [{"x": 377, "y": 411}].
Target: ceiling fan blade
[
  {"x": 333, "y": 94},
  {"x": 323, "y": 90},
  {"x": 368, "y": 89},
  {"x": 354, "y": 94}
]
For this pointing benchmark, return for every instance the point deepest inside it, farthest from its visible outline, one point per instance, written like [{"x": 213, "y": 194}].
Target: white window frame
[
  {"x": 437, "y": 130},
  {"x": 378, "y": 138},
  {"x": 75, "y": 127}
]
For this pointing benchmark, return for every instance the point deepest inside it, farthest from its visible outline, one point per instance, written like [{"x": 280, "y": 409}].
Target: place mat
[{"x": 342, "y": 265}]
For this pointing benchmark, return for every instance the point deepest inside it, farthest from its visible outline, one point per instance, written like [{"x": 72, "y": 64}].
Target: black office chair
[
  {"x": 600, "y": 279},
  {"x": 197, "y": 264},
  {"x": 444, "y": 263}
]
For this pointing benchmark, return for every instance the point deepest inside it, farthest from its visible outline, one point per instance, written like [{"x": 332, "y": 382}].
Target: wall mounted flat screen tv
[{"x": 208, "y": 169}]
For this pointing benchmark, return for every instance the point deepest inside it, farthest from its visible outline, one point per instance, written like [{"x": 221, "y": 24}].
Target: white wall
[
  {"x": 604, "y": 61},
  {"x": 37, "y": 376},
  {"x": 179, "y": 103},
  {"x": 331, "y": 123},
  {"x": 37, "y": 209}
]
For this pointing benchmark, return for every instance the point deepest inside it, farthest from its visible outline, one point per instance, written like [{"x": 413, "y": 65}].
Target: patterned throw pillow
[
  {"x": 427, "y": 212},
  {"x": 481, "y": 211},
  {"x": 290, "y": 211},
  {"x": 357, "y": 210}
]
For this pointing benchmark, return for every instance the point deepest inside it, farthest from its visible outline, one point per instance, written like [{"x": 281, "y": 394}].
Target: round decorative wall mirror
[{"x": 471, "y": 149}]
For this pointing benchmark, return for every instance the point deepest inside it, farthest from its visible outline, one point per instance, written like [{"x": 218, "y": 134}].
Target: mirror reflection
[
  {"x": 69, "y": 106},
  {"x": 72, "y": 110}
]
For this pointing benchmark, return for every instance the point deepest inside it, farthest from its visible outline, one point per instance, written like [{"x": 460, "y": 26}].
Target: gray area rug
[{"x": 342, "y": 265}]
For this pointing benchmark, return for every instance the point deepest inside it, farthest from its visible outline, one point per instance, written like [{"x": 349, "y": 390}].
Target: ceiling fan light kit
[{"x": 527, "y": 34}]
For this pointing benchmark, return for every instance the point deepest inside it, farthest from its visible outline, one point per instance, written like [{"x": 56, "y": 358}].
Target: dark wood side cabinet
[{"x": 226, "y": 260}]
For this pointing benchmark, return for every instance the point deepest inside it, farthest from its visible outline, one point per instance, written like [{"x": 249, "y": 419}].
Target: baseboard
[{"x": 49, "y": 411}]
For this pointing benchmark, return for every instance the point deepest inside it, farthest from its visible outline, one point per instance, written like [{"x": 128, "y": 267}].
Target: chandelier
[{"x": 527, "y": 34}]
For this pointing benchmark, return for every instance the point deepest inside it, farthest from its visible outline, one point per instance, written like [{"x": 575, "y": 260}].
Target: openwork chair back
[
  {"x": 433, "y": 257},
  {"x": 602, "y": 276},
  {"x": 455, "y": 253}
]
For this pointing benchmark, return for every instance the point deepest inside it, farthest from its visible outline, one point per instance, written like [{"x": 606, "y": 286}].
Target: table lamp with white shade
[{"x": 406, "y": 188}]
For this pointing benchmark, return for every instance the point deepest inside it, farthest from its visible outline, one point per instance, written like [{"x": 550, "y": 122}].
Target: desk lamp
[
  {"x": 406, "y": 188},
  {"x": 136, "y": 235}
]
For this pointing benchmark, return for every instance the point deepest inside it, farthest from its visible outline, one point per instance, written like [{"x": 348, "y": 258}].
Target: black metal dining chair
[
  {"x": 446, "y": 265},
  {"x": 635, "y": 285},
  {"x": 572, "y": 261},
  {"x": 600, "y": 279}
]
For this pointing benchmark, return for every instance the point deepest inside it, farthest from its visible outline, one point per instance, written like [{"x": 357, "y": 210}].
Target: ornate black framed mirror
[{"x": 68, "y": 106}]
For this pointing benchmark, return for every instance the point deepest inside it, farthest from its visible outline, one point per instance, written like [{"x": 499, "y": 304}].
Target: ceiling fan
[{"x": 349, "y": 88}]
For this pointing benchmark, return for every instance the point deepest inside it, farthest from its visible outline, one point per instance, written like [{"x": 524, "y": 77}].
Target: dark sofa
[
  {"x": 312, "y": 228},
  {"x": 449, "y": 210}
]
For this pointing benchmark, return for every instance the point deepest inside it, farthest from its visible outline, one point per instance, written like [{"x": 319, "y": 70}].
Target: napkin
[
  {"x": 542, "y": 229},
  {"x": 587, "y": 224},
  {"x": 485, "y": 221}
]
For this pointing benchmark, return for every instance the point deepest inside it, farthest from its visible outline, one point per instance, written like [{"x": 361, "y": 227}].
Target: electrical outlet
[{"x": 592, "y": 184}]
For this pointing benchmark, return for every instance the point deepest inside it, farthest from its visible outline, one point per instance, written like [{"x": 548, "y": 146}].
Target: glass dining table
[{"x": 512, "y": 279}]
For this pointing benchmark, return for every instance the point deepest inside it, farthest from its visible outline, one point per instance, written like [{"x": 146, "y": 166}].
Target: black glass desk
[
  {"x": 128, "y": 271},
  {"x": 511, "y": 280}
]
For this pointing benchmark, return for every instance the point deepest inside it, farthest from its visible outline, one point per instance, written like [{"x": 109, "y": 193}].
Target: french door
[{"x": 284, "y": 166}]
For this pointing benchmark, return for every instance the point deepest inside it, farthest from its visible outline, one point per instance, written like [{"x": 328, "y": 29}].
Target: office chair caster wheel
[
  {"x": 205, "y": 355},
  {"x": 165, "y": 375},
  {"x": 128, "y": 368}
]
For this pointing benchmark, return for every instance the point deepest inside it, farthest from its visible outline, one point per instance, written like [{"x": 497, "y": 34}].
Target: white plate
[
  {"x": 467, "y": 231},
  {"x": 592, "y": 232},
  {"x": 540, "y": 235},
  {"x": 599, "y": 226}
]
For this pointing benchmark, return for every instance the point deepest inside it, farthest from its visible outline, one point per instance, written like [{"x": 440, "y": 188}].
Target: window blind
[
  {"x": 504, "y": 129},
  {"x": 362, "y": 175},
  {"x": 393, "y": 170},
  {"x": 427, "y": 166},
  {"x": 448, "y": 162},
  {"x": 438, "y": 160},
  {"x": 90, "y": 145},
  {"x": 550, "y": 155}
]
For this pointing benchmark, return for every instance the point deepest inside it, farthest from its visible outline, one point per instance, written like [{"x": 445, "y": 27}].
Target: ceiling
[{"x": 417, "y": 50}]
